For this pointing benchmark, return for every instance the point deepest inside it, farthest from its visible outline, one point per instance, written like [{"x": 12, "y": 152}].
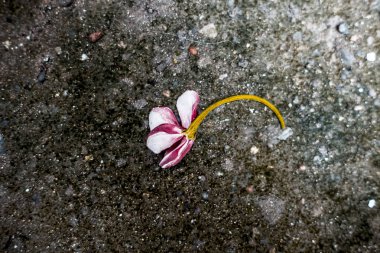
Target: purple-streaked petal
[
  {"x": 187, "y": 105},
  {"x": 163, "y": 137},
  {"x": 176, "y": 153},
  {"x": 161, "y": 115}
]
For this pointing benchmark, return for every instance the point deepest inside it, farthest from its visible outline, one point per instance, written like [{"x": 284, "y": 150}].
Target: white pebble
[
  {"x": 254, "y": 150},
  {"x": 223, "y": 76},
  {"x": 209, "y": 31},
  {"x": 285, "y": 134},
  {"x": 371, "y": 203},
  {"x": 84, "y": 57},
  {"x": 58, "y": 50},
  {"x": 372, "y": 93},
  {"x": 358, "y": 108},
  {"x": 7, "y": 44},
  {"x": 202, "y": 178},
  {"x": 371, "y": 56},
  {"x": 139, "y": 104},
  {"x": 343, "y": 29},
  {"x": 370, "y": 40},
  {"x": 302, "y": 168},
  {"x": 219, "y": 173}
]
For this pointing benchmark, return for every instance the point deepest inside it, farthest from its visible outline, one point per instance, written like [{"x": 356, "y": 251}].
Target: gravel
[{"x": 76, "y": 175}]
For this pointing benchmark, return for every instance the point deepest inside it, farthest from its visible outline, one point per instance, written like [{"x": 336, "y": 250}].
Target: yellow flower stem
[{"x": 191, "y": 131}]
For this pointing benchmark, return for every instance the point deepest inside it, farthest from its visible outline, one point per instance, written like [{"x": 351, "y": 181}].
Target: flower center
[{"x": 192, "y": 130}]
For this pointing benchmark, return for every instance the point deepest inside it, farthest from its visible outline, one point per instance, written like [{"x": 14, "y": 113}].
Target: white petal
[
  {"x": 187, "y": 105},
  {"x": 161, "y": 115},
  {"x": 163, "y": 137}
]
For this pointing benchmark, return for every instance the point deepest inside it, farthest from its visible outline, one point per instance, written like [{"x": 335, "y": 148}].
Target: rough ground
[{"x": 76, "y": 176}]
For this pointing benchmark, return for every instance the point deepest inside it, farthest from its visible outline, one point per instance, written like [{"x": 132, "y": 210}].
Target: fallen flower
[
  {"x": 167, "y": 134},
  {"x": 177, "y": 139}
]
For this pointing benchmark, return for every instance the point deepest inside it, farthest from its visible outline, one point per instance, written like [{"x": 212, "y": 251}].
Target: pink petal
[
  {"x": 176, "y": 153},
  {"x": 187, "y": 105},
  {"x": 161, "y": 115},
  {"x": 163, "y": 137}
]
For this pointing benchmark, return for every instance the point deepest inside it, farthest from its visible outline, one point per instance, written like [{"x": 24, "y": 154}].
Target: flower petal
[
  {"x": 187, "y": 105},
  {"x": 163, "y": 137},
  {"x": 161, "y": 115},
  {"x": 176, "y": 153}
]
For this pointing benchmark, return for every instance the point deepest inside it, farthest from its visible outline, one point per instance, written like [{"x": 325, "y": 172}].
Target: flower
[
  {"x": 167, "y": 134},
  {"x": 177, "y": 139}
]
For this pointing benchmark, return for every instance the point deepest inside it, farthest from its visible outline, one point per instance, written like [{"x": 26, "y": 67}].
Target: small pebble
[
  {"x": 166, "y": 93},
  {"x": 84, "y": 57},
  {"x": 65, "y": 3},
  {"x": 7, "y": 44},
  {"x": 202, "y": 178},
  {"x": 205, "y": 195},
  {"x": 89, "y": 158},
  {"x": 58, "y": 50},
  {"x": 243, "y": 63},
  {"x": 193, "y": 51},
  {"x": 219, "y": 173},
  {"x": 370, "y": 41},
  {"x": 69, "y": 191},
  {"x": 121, "y": 162},
  {"x": 347, "y": 57},
  {"x": 286, "y": 133},
  {"x": 372, "y": 93},
  {"x": 343, "y": 28},
  {"x": 297, "y": 36},
  {"x": 95, "y": 36},
  {"x": 377, "y": 102},
  {"x": 223, "y": 76},
  {"x": 323, "y": 151},
  {"x": 371, "y": 203},
  {"x": 249, "y": 189},
  {"x": 209, "y": 31},
  {"x": 139, "y": 104},
  {"x": 358, "y": 108},
  {"x": 371, "y": 56},
  {"x": 254, "y": 150},
  {"x": 42, "y": 75},
  {"x": 302, "y": 168}
]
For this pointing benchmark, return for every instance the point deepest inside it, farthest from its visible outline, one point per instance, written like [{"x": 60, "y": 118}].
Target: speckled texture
[{"x": 76, "y": 176}]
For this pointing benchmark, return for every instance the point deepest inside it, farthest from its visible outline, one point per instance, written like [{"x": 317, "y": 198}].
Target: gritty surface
[{"x": 76, "y": 176}]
